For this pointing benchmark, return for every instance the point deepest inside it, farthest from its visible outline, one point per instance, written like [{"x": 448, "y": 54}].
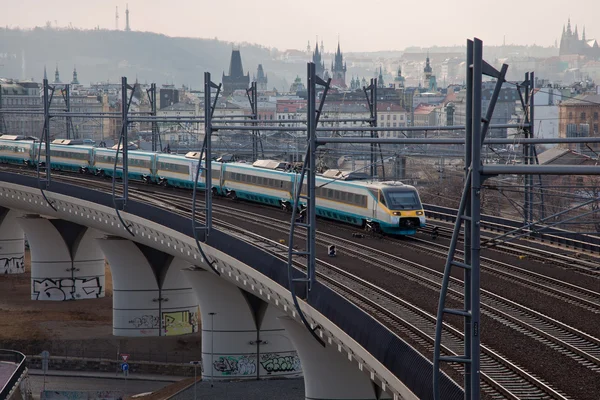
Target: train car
[
  {"x": 341, "y": 200},
  {"x": 104, "y": 162},
  {"x": 175, "y": 170},
  {"x": 15, "y": 150},
  {"x": 180, "y": 170},
  {"x": 265, "y": 181},
  {"x": 65, "y": 157},
  {"x": 142, "y": 164},
  {"x": 398, "y": 209},
  {"x": 389, "y": 207}
]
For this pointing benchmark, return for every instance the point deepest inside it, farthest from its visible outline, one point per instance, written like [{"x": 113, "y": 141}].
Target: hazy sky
[{"x": 290, "y": 24}]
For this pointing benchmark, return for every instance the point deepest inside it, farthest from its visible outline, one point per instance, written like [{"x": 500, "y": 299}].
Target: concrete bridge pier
[
  {"x": 66, "y": 263},
  {"x": 328, "y": 374},
  {"x": 12, "y": 243},
  {"x": 241, "y": 335},
  {"x": 150, "y": 294}
]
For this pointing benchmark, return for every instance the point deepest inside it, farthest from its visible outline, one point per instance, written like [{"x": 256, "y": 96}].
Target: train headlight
[
  {"x": 419, "y": 212},
  {"x": 397, "y": 213}
]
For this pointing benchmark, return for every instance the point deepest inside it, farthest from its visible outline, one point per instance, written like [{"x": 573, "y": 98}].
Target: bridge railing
[
  {"x": 17, "y": 358},
  {"x": 169, "y": 357},
  {"x": 555, "y": 235}
]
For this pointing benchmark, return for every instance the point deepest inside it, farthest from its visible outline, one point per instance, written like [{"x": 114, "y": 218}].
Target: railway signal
[{"x": 331, "y": 250}]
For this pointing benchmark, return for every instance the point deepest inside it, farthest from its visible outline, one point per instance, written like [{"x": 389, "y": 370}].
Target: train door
[
  {"x": 193, "y": 168},
  {"x": 375, "y": 202},
  {"x": 221, "y": 177}
]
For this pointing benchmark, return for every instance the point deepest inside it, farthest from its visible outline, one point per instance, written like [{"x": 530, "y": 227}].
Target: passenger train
[{"x": 389, "y": 207}]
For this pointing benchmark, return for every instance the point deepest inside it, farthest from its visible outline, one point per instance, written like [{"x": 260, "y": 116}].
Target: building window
[
  {"x": 595, "y": 128},
  {"x": 582, "y": 116},
  {"x": 595, "y": 116},
  {"x": 394, "y": 118},
  {"x": 570, "y": 115}
]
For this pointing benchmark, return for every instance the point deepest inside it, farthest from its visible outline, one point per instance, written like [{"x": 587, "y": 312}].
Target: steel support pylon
[
  {"x": 156, "y": 142},
  {"x": 204, "y": 167},
  {"x": 371, "y": 94},
  {"x": 120, "y": 199},
  {"x": 469, "y": 213},
  {"x": 44, "y": 182},
  {"x": 305, "y": 200},
  {"x": 252, "y": 94}
]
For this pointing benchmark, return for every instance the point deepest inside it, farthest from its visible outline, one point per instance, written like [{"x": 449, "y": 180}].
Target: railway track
[
  {"x": 561, "y": 337},
  {"x": 581, "y": 297},
  {"x": 501, "y": 377},
  {"x": 502, "y": 380},
  {"x": 575, "y": 262},
  {"x": 569, "y": 341}
]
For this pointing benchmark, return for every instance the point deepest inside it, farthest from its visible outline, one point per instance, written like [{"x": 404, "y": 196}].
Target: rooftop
[
  {"x": 560, "y": 156},
  {"x": 583, "y": 99}
]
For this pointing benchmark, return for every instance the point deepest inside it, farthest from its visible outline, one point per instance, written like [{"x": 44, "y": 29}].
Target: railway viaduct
[{"x": 250, "y": 327}]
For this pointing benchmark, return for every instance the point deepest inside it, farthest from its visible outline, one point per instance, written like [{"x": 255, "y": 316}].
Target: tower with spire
[
  {"x": 399, "y": 79},
  {"x": 571, "y": 44},
  {"x": 380, "y": 82},
  {"x": 261, "y": 79},
  {"x": 317, "y": 58},
  {"x": 127, "y": 28},
  {"x": 427, "y": 71},
  {"x": 338, "y": 69},
  {"x": 56, "y": 75},
  {"x": 236, "y": 80},
  {"x": 75, "y": 81}
]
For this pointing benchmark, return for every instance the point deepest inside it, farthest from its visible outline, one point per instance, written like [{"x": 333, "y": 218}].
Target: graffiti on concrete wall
[
  {"x": 274, "y": 362},
  {"x": 146, "y": 322},
  {"x": 180, "y": 322},
  {"x": 235, "y": 365},
  {"x": 66, "y": 289},
  {"x": 12, "y": 265}
]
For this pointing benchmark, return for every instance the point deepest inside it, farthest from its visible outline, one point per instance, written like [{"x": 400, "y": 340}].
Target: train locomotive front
[{"x": 400, "y": 211}]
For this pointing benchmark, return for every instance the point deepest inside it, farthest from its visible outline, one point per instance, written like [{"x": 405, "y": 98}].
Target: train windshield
[{"x": 402, "y": 199}]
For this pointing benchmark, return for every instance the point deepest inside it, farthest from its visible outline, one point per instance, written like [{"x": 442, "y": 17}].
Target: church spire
[
  {"x": 583, "y": 34},
  {"x": 569, "y": 26},
  {"x": 576, "y": 33},
  {"x": 75, "y": 81},
  {"x": 56, "y": 75}
]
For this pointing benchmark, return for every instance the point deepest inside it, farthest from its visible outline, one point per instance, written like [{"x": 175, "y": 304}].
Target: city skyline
[{"x": 285, "y": 26}]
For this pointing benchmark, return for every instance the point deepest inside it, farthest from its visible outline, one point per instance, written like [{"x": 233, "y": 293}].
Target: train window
[
  {"x": 253, "y": 178},
  {"x": 329, "y": 193},
  {"x": 344, "y": 196},
  {"x": 402, "y": 199},
  {"x": 382, "y": 198},
  {"x": 216, "y": 173}
]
